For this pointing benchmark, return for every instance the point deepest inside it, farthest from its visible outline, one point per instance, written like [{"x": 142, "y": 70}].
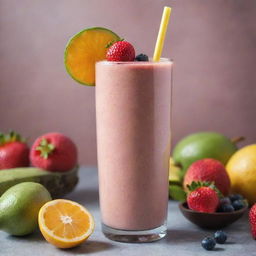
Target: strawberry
[
  {"x": 252, "y": 220},
  {"x": 209, "y": 170},
  {"x": 203, "y": 197},
  {"x": 121, "y": 51},
  {"x": 14, "y": 152},
  {"x": 54, "y": 152}
]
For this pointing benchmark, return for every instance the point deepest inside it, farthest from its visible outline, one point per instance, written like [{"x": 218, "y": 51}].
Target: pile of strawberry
[
  {"x": 205, "y": 197},
  {"x": 52, "y": 151},
  {"x": 208, "y": 187}
]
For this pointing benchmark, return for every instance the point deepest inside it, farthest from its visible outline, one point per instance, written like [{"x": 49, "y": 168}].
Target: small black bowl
[{"x": 214, "y": 220}]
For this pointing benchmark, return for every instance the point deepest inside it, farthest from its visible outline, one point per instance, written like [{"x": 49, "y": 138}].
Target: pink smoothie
[{"x": 133, "y": 108}]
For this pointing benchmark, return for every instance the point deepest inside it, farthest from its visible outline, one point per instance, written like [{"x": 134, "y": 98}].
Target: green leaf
[
  {"x": 12, "y": 136},
  {"x": 174, "y": 182},
  {"x": 177, "y": 193},
  {"x": 43, "y": 142},
  {"x": 45, "y": 148},
  {"x": 2, "y": 140},
  {"x": 198, "y": 184},
  {"x": 51, "y": 147},
  {"x": 112, "y": 42}
]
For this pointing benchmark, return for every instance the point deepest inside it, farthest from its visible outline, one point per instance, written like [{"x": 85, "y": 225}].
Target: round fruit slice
[
  {"x": 84, "y": 50},
  {"x": 65, "y": 223}
]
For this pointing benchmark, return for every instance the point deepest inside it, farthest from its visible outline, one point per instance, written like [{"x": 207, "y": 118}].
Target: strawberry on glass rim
[
  {"x": 121, "y": 51},
  {"x": 95, "y": 44}
]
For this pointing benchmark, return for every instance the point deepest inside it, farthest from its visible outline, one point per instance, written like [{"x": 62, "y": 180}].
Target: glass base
[{"x": 130, "y": 236}]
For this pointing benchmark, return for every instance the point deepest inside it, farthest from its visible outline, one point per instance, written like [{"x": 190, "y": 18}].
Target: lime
[
  {"x": 202, "y": 145},
  {"x": 19, "y": 207},
  {"x": 84, "y": 49}
]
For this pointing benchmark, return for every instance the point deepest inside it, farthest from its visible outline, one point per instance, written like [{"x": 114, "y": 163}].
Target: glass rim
[{"x": 161, "y": 61}]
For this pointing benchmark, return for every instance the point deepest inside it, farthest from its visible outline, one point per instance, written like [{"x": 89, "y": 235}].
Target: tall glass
[{"x": 133, "y": 112}]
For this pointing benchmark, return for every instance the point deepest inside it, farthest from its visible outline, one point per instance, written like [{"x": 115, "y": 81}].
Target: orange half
[
  {"x": 65, "y": 223},
  {"x": 84, "y": 50}
]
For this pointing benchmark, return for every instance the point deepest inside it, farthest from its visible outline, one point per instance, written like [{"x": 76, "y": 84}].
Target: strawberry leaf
[
  {"x": 198, "y": 184},
  {"x": 212, "y": 185},
  {"x": 12, "y": 136},
  {"x": 112, "y": 42},
  {"x": 45, "y": 148}
]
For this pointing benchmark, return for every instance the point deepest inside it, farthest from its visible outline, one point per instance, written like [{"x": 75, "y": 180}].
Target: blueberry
[
  {"x": 238, "y": 204},
  {"x": 226, "y": 208},
  {"x": 220, "y": 237},
  {"x": 141, "y": 57},
  {"x": 225, "y": 200},
  {"x": 235, "y": 197},
  {"x": 208, "y": 243}
]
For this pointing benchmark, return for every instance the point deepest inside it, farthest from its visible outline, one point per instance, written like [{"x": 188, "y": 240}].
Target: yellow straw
[{"x": 161, "y": 33}]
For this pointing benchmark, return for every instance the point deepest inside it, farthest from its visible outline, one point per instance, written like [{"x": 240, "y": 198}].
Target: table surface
[{"x": 183, "y": 237}]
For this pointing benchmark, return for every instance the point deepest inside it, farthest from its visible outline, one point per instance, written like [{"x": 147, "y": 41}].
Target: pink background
[{"x": 212, "y": 42}]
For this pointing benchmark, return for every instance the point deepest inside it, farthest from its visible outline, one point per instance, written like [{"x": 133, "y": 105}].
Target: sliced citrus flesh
[
  {"x": 65, "y": 223},
  {"x": 84, "y": 50}
]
